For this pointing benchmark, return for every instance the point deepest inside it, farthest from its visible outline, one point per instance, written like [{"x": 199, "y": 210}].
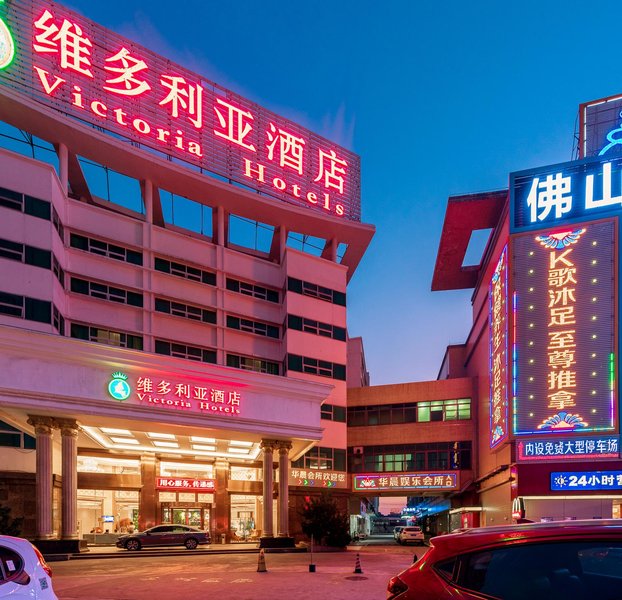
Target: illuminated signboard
[
  {"x": 176, "y": 483},
  {"x": 568, "y": 192},
  {"x": 78, "y": 68},
  {"x": 498, "y": 352},
  {"x": 586, "y": 480},
  {"x": 568, "y": 448},
  {"x": 174, "y": 394},
  {"x": 317, "y": 478},
  {"x": 396, "y": 482},
  {"x": 565, "y": 331},
  {"x": 600, "y": 132}
]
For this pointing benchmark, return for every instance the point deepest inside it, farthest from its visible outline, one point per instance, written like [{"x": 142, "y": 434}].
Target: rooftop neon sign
[{"x": 81, "y": 69}]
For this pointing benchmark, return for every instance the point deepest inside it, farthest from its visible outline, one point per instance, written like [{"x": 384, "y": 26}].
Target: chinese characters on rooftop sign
[
  {"x": 600, "y": 132},
  {"x": 565, "y": 330},
  {"x": 83, "y": 70},
  {"x": 176, "y": 483},
  {"x": 586, "y": 480},
  {"x": 175, "y": 394},
  {"x": 550, "y": 196},
  {"x": 397, "y": 482},
  {"x": 568, "y": 448},
  {"x": 317, "y": 478},
  {"x": 498, "y": 352}
]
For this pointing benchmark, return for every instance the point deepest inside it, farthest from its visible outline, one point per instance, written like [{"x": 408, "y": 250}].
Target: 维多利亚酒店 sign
[{"x": 81, "y": 69}]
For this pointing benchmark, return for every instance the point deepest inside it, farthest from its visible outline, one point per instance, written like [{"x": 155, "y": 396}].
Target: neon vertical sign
[
  {"x": 499, "y": 352},
  {"x": 565, "y": 330}
]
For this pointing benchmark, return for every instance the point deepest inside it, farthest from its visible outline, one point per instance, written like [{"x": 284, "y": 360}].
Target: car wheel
[
  {"x": 132, "y": 545},
  {"x": 191, "y": 543}
]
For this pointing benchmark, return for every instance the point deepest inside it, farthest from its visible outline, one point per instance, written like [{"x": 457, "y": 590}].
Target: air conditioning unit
[{"x": 357, "y": 449}]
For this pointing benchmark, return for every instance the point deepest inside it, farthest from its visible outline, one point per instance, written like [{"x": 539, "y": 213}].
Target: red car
[{"x": 565, "y": 560}]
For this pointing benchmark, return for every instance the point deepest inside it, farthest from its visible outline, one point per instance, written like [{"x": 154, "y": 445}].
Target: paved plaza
[{"x": 191, "y": 575}]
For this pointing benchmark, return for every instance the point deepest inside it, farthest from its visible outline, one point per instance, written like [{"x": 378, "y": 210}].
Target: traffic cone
[
  {"x": 357, "y": 566},
  {"x": 261, "y": 564}
]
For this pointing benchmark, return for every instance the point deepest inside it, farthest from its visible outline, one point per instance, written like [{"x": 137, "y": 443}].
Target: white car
[
  {"x": 411, "y": 534},
  {"x": 24, "y": 574}
]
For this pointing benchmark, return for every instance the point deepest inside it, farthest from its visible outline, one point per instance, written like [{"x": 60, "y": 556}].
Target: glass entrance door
[{"x": 196, "y": 517}]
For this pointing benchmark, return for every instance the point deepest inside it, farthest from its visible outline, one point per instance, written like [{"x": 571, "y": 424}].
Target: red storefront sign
[
  {"x": 90, "y": 73},
  {"x": 176, "y": 483}
]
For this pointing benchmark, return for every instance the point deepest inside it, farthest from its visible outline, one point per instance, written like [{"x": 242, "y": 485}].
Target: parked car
[
  {"x": 24, "y": 574},
  {"x": 396, "y": 532},
  {"x": 569, "y": 560},
  {"x": 165, "y": 535},
  {"x": 411, "y": 534}
]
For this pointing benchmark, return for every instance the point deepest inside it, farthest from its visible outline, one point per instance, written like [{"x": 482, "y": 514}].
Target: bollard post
[{"x": 311, "y": 565}]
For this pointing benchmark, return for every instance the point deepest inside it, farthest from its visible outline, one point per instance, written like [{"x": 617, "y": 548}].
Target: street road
[{"x": 225, "y": 576}]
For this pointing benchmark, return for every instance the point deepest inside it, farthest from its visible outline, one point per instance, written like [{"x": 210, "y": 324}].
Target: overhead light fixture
[
  {"x": 194, "y": 438},
  {"x": 161, "y": 436},
  {"x": 239, "y": 450},
  {"x": 239, "y": 443},
  {"x": 118, "y": 440},
  {"x": 203, "y": 447},
  {"x": 112, "y": 431},
  {"x": 165, "y": 444}
]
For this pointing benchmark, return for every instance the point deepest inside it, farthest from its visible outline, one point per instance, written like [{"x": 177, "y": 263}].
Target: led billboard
[
  {"x": 564, "y": 334},
  {"x": 600, "y": 130},
  {"x": 64, "y": 62}
]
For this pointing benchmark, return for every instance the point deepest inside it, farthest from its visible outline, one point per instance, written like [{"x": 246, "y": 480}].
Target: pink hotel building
[{"x": 155, "y": 366}]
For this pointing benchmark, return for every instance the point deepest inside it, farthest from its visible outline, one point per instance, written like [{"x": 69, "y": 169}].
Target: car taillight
[
  {"x": 44, "y": 565},
  {"x": 395, "y": 588}
]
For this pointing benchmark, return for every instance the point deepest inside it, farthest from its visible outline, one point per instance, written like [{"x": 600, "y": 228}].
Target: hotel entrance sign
[
  {"x": 174, "y": 393},
  {"x": 80, "y": 69}
]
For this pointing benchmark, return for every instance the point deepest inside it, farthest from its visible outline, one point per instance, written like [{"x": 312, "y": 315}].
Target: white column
[
  {"x": 43, "y": 431},
  {"x": 268, "y": 448},
  {"x": 284, "y": 448},
  {"x": 69, "y": 431}
]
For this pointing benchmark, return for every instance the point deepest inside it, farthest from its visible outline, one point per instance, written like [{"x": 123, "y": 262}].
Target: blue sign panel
[
  {"x": 565, "y": 193},
  {"x": 586, "y": 480},
  {"x": 567, "y": 448}
]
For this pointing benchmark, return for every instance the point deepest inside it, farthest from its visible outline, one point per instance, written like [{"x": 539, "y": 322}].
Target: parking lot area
[{"x": 233, "y": 575}]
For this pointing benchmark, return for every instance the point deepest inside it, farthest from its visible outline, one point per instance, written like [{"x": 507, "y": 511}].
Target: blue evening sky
[{"x": 438, "y": 98}]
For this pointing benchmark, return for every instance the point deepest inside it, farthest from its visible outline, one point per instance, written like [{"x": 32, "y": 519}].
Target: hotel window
[
  {"x": 248, "y": 363},
  {"x": 205, "y": 355},
  {"x": 29, "y": 255},
  {"x": 185, "y": 271},
  {"x": 187, "y": 311},
  {"x": 255, "y": 327},
  {"x": 331, "y": 412},
  {"x": 330, "y": 459},
  {"x": 106, "y": 336},
  {"x": 10, "y": 437},
  {"x": 106, "y": 249},
  {"x": 58, "y": 271},
  {"x": 58, "y": 320},
  {"x": 316, "y": 327},
  {"x": 26, "y": 204},
  {"x": 250, "y": 289},
  {"x": 58, "y": 225},
  {"x": 315, "y": 291},
  {"x": 314, "y": 366},
  {"x": 23, "y": 307},
  {"x": 106, "y": 292}
]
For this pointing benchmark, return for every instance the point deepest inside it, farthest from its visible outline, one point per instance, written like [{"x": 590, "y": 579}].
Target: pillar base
[
  {"x": 277, "y": 542},
  {"x": 47, "y": 547}
]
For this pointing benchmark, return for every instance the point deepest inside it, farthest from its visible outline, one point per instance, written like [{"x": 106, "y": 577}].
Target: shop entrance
[{"x": 187, "y": 515}]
